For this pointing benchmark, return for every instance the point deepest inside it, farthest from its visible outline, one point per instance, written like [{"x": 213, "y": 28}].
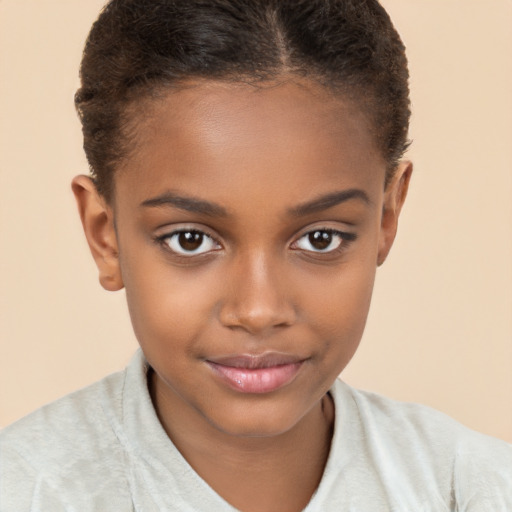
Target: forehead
[{"x": 207, "y": 134}]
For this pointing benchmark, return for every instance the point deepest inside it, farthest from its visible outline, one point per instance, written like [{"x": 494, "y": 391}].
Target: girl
[{"x": 247, "y": 179}]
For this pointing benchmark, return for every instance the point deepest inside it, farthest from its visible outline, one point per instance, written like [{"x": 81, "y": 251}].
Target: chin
[{"x": 256, "y": 421}]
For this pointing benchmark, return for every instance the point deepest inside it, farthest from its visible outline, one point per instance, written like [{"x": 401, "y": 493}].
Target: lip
[{"x": 257, "y": 373}]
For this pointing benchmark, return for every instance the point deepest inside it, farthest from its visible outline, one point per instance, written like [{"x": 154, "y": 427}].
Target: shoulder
[
  {"x": 69, "y": 444},
  {"x": 427, "y": 446},
  {"x": 69, "y": 421},
  {"x": 404, "y": 418},
  {"x": 416, "y": 421}
]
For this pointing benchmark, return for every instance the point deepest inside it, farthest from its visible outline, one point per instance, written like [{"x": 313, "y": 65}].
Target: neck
[{"x": 252, "y": 473}]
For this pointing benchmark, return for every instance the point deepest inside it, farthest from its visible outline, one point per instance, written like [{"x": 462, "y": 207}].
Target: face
[{"x": 248, "y": 226}]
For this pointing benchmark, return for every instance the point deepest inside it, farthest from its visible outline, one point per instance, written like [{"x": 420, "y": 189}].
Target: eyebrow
[
  {"x": 328, "y": 201},
  {"x": 189, "y": 204},
  {"x": 195, "y": 205}
]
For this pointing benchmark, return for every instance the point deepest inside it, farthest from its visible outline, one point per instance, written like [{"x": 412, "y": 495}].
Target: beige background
[{"x": 440, "y": 329}]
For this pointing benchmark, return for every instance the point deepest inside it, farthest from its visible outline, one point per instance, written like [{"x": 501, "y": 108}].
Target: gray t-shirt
[{"x": 103, "y": 449}]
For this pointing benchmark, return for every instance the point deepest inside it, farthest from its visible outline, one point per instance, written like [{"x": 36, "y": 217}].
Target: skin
[{"x": 257, "y": 155}]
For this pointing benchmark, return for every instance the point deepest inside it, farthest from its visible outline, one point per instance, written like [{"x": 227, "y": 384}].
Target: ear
[
  {"x": 98, "y": 223},
  {"x": 394, "y": 198}
]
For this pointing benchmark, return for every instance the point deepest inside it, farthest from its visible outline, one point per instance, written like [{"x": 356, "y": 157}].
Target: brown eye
[
  {"x": 320, "y": 240},
  {"x": 190, "y": 243},
  {"x": 190, "y": 240},
  {"x": 323, "y": 241}
]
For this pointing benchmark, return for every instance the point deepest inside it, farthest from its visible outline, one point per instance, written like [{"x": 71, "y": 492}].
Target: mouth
[{"x": 256, "y": 374}]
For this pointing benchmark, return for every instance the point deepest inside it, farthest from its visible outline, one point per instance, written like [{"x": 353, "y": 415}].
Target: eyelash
[
  {"x": 167, "y": 239},
  {"x": 344, "y": 240}
]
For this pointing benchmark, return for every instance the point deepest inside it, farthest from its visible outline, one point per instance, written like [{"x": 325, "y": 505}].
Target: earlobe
[
  {"x": 394, "y": 198},
  {"x": 98, "y": 223}
]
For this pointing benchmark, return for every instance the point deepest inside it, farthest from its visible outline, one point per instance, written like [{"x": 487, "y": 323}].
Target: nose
[{"x": 257, "y": 298}]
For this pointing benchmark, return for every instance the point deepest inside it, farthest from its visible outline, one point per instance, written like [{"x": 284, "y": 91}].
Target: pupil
[
  {"x": 320, "y": 239},
  {"x": 190, "y": 240}
]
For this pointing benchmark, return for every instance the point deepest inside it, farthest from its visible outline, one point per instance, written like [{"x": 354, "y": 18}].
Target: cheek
[
  {"x": 168, "y": 307},
  {"x": 345, "y": 289},
  {"x": 338, "y": 306}
]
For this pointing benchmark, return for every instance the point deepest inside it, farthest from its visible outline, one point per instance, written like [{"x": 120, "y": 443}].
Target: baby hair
[{"x": 139, "y": 48}]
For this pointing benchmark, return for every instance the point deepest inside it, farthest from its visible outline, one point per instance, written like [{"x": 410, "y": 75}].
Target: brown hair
[{"x": 137, "y": 47}]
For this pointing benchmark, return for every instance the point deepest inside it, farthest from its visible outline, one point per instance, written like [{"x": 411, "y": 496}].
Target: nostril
[
  {"x": 257, "y": 297},
  {"x": 256, "y": 319}
]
